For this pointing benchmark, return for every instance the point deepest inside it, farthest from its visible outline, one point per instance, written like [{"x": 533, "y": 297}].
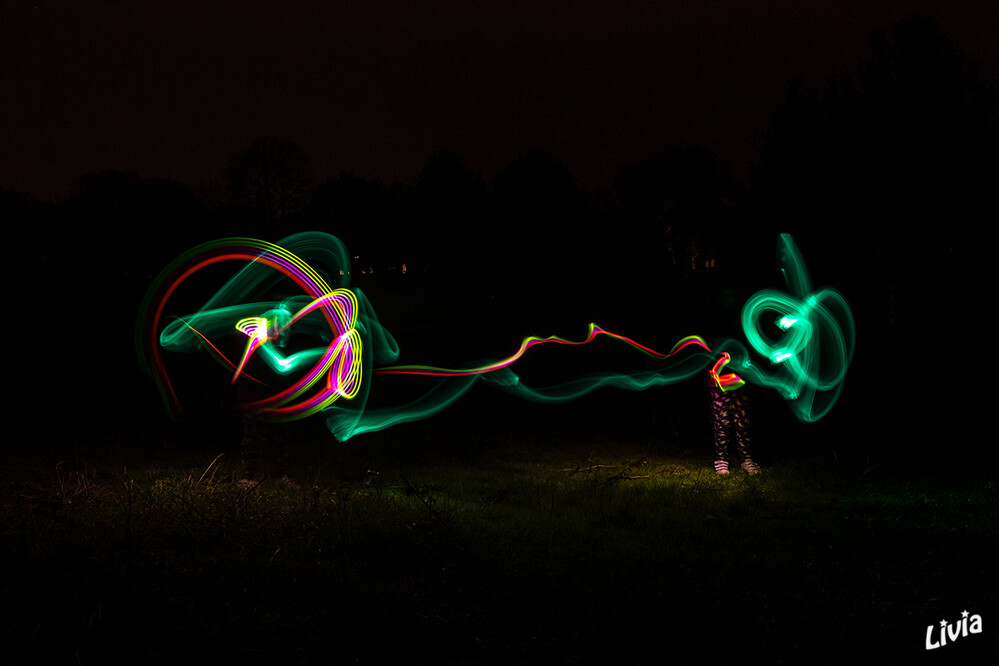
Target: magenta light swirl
[{"x": 340, "y": 362}]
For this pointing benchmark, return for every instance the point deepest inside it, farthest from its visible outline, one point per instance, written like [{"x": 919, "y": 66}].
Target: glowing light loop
[
  {"x": 807, "y": 336},
  {"x": 335, "y": 368}
]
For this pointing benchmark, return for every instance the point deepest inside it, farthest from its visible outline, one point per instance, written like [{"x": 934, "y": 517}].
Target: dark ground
[{"x": 519, "y": 542}]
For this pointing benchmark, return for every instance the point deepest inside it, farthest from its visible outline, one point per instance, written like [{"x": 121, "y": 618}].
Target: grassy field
[{"x": 432, "y": 547}]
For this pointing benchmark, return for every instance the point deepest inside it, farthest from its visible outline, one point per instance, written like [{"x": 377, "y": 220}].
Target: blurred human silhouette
[{"x": 264, "y": 444}]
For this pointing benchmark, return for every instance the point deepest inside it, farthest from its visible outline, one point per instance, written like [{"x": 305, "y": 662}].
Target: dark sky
[{"x": 174, "y": 88}]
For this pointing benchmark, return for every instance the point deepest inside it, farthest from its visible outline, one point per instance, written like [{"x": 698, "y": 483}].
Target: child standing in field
[{"x": 729, "y": 418}]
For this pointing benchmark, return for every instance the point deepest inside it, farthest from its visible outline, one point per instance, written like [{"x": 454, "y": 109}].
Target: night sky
[{"x": 174, "y": 89}]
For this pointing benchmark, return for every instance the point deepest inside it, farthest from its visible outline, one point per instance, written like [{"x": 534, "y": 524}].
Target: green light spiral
[{"x": 808, "y": 338}]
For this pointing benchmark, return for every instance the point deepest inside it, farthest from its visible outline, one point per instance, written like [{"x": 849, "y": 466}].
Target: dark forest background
[{"x": 886, "y": 179}]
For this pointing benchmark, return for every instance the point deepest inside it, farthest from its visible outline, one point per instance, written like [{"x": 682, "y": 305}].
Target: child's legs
[
  {"x": 721, "y": 422},
  {"x": 740, "y": 422}
]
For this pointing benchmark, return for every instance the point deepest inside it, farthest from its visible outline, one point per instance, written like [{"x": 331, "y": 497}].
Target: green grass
[{"x": 490, "y": 551}]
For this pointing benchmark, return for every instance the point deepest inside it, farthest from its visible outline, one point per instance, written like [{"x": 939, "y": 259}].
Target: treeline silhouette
[{"x": 886, "y": 179}]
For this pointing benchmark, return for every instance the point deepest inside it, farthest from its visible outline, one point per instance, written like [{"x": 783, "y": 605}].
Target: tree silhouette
[
  {"x": 453, "y": 223},
  {"x": 679, "y": 239},
  {"x": 932, "y": 116},
  {"x": 146, "y": 221},
  {"x": 677, "y": 203},
  {"x": 890, "y": 176},
  {"x": 544, "y": 233},
  {"x": 372, "y": 220},
  {"x": 270, "y": 180},
  {"x": 910, "y": 140},
  {"x": 92, "y": 256}
]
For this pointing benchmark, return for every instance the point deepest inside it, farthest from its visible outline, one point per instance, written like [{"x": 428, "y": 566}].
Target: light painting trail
[
  {"x": 531, "y": 342},
  {"x": 807, "y": 338},
  {"x": 334, "y": 317}
]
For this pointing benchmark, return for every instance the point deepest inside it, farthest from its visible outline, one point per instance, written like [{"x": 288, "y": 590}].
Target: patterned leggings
[{"x": 729, "y": 417}]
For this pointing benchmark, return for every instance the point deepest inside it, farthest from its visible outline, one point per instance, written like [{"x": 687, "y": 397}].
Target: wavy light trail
[{"x": 806, "y": 336}]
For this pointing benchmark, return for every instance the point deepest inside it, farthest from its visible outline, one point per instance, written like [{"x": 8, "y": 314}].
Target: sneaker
[
  {"x": 751, "y": 468},
  {"x": 721, "y": 467}
]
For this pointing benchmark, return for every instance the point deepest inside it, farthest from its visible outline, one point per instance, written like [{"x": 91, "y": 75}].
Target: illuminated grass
[{"x": 497, "y": 552}]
